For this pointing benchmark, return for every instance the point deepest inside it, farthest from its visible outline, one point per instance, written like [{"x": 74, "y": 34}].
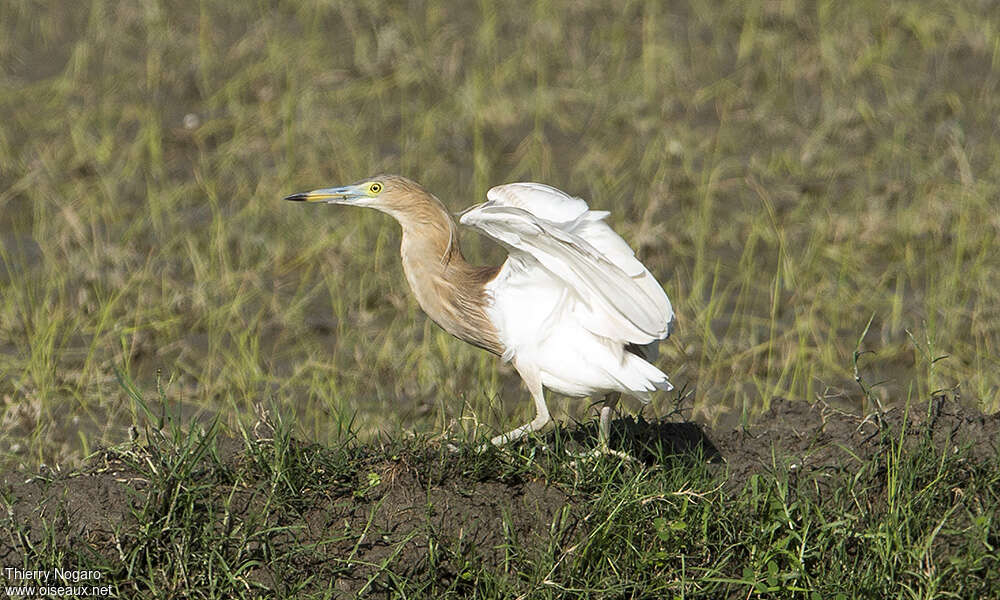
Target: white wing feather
[
  {"x": 542, "y": 201},
  {"x": 573, "y": 244}
]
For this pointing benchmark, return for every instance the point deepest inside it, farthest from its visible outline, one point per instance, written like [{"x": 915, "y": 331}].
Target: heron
[{"x": 572, "y": 308}]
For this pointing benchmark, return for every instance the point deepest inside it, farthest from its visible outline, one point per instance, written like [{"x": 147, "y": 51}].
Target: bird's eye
[{"x": 375, "y": 188}]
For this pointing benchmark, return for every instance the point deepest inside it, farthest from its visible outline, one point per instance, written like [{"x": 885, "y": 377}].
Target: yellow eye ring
[{"x": 375, "y": 188}]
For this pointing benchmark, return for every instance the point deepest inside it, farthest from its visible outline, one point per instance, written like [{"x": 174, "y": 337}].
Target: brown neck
[{"x": 448, "y": 289}]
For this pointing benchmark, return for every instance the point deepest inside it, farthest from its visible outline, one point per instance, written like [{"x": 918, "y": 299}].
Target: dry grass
[{"x": 787, "y": 169}]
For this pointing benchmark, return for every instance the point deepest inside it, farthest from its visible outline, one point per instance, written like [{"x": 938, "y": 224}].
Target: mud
[{"x": 422, "y": 512}]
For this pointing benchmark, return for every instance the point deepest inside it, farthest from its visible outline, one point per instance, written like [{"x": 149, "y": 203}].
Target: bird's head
[{"x": 392, "y": 194}]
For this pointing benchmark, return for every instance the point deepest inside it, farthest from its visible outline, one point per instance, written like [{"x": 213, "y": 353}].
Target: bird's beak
[{"x": 347, "y": 194}]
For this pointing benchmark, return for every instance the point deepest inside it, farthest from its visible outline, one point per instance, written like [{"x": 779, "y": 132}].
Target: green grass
[
  {"x": 786, "y": 169},
  {"x": 268, "y": 516}
]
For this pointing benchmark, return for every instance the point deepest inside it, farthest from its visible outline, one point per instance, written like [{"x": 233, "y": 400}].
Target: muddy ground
[{"x": 397, "y": 500}]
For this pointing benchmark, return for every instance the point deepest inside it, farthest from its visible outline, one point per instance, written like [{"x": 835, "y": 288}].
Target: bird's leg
[
  {"x": 604, "y": 426},
  {"x": 533, "y": 379},
  {"x": 604, "y": 433}
]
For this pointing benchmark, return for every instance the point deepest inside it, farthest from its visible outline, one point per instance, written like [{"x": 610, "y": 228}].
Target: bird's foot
[
  {"x": 603, "y": 439},
  {"x": 603, "y": 450},
  {"x": 484, "y": 447}
]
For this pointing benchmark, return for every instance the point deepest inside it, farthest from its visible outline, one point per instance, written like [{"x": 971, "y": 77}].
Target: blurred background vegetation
[{"x": 787, "y": 169}]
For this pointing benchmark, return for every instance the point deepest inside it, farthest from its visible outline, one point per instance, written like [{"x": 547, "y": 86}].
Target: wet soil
[{"x": 387, "y": 507}]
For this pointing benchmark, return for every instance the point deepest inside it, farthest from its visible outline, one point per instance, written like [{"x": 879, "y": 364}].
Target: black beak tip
[{"x": 299, "y": 197}]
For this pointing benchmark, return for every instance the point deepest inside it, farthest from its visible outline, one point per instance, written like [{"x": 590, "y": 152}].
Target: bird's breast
[{"x": 452, "y": 295}]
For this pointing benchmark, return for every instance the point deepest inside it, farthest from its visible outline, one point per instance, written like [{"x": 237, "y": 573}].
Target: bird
[{"x": 571, "y": 308}]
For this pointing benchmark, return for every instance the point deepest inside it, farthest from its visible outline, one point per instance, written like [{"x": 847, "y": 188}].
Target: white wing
[
  {"x": 542, "y": 201},
  {"x": 572, "y": 244}
]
